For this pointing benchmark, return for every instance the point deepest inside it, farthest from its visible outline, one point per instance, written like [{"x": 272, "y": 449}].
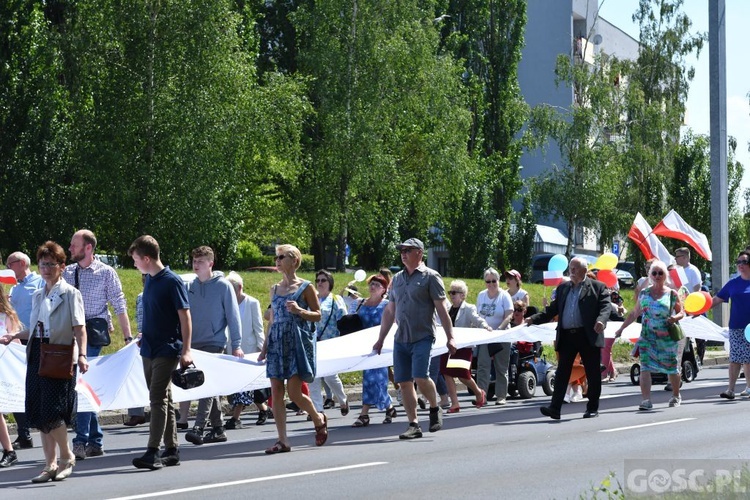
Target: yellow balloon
[
  {"x": 606, "y": 262},
  {"x": 694, "y": 302}
]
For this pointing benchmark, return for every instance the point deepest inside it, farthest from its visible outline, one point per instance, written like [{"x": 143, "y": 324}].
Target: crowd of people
[{"x": 65, "y": 308}]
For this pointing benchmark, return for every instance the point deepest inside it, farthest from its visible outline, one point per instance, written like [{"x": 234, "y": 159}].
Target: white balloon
[{"x": 360, "y": 275}]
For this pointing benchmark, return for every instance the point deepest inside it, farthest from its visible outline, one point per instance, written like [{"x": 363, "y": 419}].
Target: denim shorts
[{"x": 412, "y": 360}]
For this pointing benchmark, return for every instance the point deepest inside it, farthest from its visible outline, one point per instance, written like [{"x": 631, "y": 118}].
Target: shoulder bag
[
  {"x": 97, "y": 329},
  {"x": 350, "y": 323},
  {"x": 56, "y": 361},
  {"x": 675, "y": 330}
]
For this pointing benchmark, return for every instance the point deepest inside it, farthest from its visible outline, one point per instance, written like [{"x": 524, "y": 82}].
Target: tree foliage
[{"x": 488, "y": 37}]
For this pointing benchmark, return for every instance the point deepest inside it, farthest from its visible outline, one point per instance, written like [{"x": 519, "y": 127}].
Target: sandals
[
  {"x": 481, "y": 399},
  {"x": 362, "y": 421},
  {"x": 278, "y": 447},
  {"x": 321, "y": 432},
  {"x": 345, "y": 409},
  {"x": 456, "y": 409},
  {"x": 390, "y": 414}
]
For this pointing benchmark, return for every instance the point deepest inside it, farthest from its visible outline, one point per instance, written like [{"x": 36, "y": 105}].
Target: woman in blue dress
[
  {"x": 375, "y": 381},
  {"x": 289, "y": 348}
]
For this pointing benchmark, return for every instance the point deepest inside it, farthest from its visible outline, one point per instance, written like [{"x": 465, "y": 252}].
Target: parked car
[
  {"x": 539, "y": 264},
  {"x": 110, "y": 260},
  {"x": 624, "y": 278}
]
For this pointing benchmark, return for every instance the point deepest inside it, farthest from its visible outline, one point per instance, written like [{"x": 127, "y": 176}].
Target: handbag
[
  {"x": 97, "y": 332},
  {"x": 56, "y": 361},
  {"x": 97, "y": 329},
  {"x": 675, "y": 330},
  {"x": 350, "y": 322},
  {"x": 188, "y": 378}
]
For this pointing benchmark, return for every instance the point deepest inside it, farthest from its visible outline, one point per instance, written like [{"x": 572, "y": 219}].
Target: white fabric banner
[{"x": 116, "y": 381}]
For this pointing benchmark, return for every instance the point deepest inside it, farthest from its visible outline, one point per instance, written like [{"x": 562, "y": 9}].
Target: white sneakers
[
  {"x": 675, "y": 401},
  {"x": 646, "y": 405}
]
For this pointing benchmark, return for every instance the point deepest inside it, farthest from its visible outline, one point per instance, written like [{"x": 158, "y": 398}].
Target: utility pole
[{"x": 719, "y": 195}]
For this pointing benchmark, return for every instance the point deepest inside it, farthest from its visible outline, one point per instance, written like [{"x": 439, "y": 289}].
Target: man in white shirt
[{"x": 682, "y": 257}]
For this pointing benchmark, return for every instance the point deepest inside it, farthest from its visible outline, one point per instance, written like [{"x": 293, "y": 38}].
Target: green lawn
[{"x": 258, "y": 284}]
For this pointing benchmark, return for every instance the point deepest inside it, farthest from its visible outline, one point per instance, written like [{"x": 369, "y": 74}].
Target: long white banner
[{"x": 116, "y": 381}]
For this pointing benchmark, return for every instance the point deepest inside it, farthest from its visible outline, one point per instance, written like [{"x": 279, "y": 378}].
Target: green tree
[
  {"x": 690, "y": 191},
  {"x": 522, "y": 238},
  {"x": 387, "y": 147},
  {"x": 584, "y": 189},
  {"x": 488, "y": 37},
  {"x": 657, "y": 85}
]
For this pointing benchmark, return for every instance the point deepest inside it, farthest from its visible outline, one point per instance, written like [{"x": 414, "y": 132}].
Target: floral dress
[
  {"x": 657, "y": 353},
  {"x": 291, "y": 340},
  {"x": 375, "y": 381}
]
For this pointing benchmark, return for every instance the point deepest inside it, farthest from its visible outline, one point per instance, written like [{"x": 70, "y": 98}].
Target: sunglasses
[
  {"x": 657, "y": 273},
  {"x": 406, "y": 250},
  {"x": 321, "y": 280},
  {"x": 740, "y": 262},
  {"x": 280, "y": 257},
  {"x": 454, "y": 292},
  {"x": 518, "y": 310},
  {"x": 490, "y": 281}
]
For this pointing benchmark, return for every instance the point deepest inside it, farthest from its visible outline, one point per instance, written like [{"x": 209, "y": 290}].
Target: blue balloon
[
  {"x": 558, "y": 262},
  {"x": 747, "y": 333}
]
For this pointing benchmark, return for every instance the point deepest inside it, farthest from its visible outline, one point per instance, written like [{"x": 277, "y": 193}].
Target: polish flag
[
  {"x": 673, "y": 226},
  {"x": 8, "y": 277},
  {"x": 647, "y": 241},
  {"x": 553, "y": 278},
  {"x": 679, "y": 278}
]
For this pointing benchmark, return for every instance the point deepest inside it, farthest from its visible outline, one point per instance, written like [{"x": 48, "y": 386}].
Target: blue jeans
[{"x": 88, "y": 430}]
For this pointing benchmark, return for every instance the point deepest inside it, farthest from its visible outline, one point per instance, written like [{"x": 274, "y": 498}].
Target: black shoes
[
  {"x": 23, "y": 443},
  {"x": 215, "y": 435},
  {"x": 9, "y": 458},
  {"x": 550, "y": 412},
  {"x": 150, "y": 460},
  {"x": 195, "y": 435},
  {"x": 436, "y": 419},
  {"x": 591, "y": 414},
  {"x": 329, "y": 403},
  {"x": 182, "y": 425},
  {"x": 170, "y": 457},
  {"x": 233, "y": 423}
]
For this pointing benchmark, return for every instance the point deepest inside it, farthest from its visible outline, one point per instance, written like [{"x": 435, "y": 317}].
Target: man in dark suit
[{"x": 582, "y": 306}]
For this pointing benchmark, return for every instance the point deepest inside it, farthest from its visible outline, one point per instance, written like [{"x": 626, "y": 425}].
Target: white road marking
[
  {"x": 648, "y": 425},
  {"x": 248, "y": 481}
]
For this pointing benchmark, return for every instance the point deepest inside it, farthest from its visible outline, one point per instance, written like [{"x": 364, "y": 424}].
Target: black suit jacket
[{"x": 593, "y": 303}]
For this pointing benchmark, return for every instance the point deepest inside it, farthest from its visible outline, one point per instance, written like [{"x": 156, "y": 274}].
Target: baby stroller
[{"x": 690, "y": 366}]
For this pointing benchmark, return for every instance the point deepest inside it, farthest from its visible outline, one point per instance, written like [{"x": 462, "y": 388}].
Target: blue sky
[{"x": 620, "y": 12}]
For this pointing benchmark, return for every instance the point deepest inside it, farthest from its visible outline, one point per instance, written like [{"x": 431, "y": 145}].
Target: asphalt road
[{"x": 494, "y": 452}]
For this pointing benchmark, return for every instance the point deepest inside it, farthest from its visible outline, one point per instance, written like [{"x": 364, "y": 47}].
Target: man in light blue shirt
[{"x": 20, "y": 298}]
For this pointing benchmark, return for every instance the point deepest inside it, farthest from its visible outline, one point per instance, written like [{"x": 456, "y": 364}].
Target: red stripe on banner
[{"x": 90, "y": 390}]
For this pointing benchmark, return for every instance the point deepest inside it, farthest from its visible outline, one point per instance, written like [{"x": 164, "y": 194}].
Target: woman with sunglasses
[
  {"x": 332, "y": 309},
  {"x": 374, "y": 381},
  {"x": 660, "y": 306},
  {"x": 737, "y": 291},
  {"x": 289, "y": 348},
  {"x": 463, "y": 315},
  {"x": 495, "y": 306}
]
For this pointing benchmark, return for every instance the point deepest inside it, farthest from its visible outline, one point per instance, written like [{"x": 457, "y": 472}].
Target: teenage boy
[{"x": 165, "y": 342}]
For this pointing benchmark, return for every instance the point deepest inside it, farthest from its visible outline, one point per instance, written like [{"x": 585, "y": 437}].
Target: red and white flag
[
  {"x": 673, "y": 226},
  {"x": 8, "y": 277},
  {"x": 679, "y": 278},
  {"x": 553, "y": 278},
  {"x": 647, "y": 241}
]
